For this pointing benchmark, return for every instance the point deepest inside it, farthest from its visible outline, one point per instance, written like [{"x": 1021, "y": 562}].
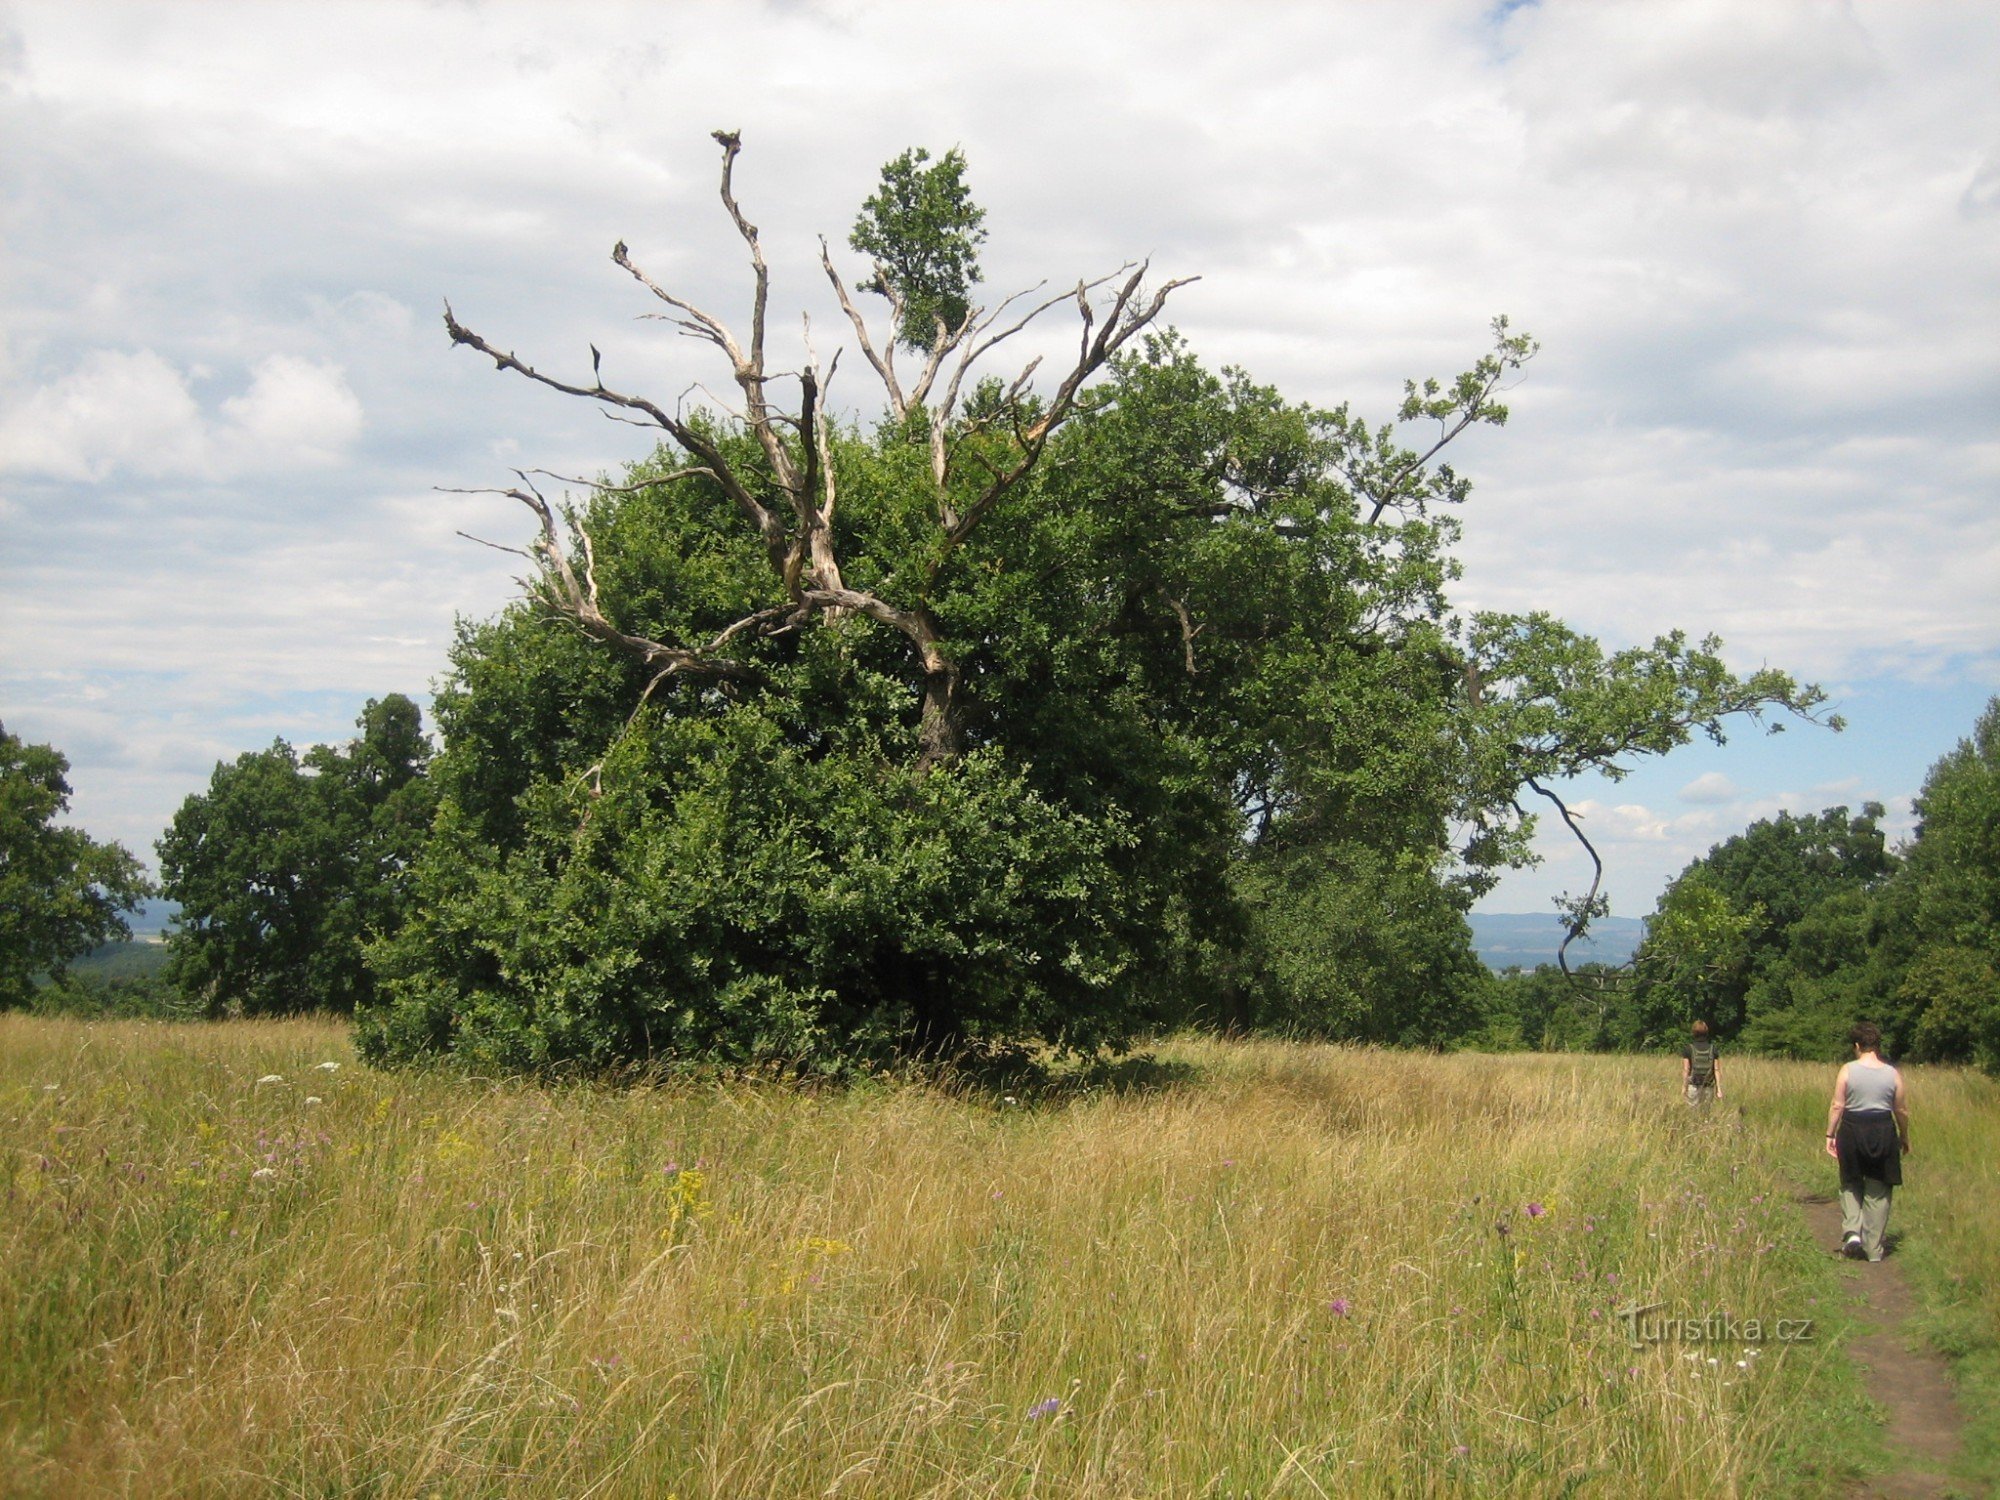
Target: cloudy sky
[{"x": 1759, "y": 241}]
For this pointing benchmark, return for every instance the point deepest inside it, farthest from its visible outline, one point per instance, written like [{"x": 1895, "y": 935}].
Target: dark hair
[
  {"x": 1701, "y": 1028},
  {"x": 1867, "y": 1036}
]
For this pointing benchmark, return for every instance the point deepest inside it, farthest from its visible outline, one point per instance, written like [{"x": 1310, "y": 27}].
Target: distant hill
[
  {"x": 153, "y": 918},
  {"x": 1508, "y": 940},
  {"x": 140, "y": 959}
]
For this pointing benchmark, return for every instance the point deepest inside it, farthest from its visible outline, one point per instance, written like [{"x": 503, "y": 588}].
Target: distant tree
[
  {"x": 61, "y": 892},
  {"x": 1769, "y": 931},
  {"x": 288, "y": 866}
]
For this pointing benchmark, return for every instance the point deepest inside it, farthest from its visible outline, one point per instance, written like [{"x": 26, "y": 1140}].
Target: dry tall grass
[{"x": 1281, "y": 1270}]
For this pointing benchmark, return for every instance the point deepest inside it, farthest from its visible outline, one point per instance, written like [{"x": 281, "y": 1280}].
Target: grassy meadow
[{"x": 235, "y": 1262}]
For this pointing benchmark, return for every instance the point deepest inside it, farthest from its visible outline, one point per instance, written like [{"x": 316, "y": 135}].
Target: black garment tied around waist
[{"x": 1869, "y": 1148}]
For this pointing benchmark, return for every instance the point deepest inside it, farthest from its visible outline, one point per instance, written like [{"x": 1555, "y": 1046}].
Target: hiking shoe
[{"x": 1851, "y": 1248}]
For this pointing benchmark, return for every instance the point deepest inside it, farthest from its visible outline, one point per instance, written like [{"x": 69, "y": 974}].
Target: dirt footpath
[{"x": 1906, "y": 1376}]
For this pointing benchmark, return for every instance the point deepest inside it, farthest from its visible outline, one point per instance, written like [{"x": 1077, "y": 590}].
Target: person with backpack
[
  {"x": 1701, "y": 1069},
  {"x": 1868, "y": 1133}
]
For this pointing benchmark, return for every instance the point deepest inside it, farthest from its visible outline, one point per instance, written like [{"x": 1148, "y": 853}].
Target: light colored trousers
[{"x": 1866, "y": 1213}]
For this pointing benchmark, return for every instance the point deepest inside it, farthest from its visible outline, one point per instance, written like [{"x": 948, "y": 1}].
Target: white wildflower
[
  {"x": 326, "y": 1067},
  {"x": 314, "y": 1099},
  {"x": 264, "y": 1172},
  {"x": 270, "y": 1078}
]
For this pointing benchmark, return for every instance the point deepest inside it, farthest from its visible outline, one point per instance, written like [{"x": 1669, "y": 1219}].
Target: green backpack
[{"x": 1701, "y": 1062}]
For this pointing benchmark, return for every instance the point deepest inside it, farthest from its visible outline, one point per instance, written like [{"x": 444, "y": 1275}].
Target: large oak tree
[{"x": 1105, "y": 693}]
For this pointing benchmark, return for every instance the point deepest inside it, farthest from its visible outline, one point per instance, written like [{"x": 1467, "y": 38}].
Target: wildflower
[
  {"x": 326, "y": 1067},
  {"x": 264, "y": 1172},
  {"x": 314, "y": 1099},
  {"x": 1338, "y": 1307},
  {"x": 270, "y": 1078},
  {"x": 1047, "y": 1408},
  {"x": 1461, "y": 1450},
  {"x": 1535, "y": 1210}
]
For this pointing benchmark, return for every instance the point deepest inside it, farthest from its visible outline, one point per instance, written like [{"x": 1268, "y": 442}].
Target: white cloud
[
  {"x": 1712, "y": 788},
  {"x": 132, "y": 413},
  {"x": 115, "y": 411},
  {"x": 295, "y": 412}
]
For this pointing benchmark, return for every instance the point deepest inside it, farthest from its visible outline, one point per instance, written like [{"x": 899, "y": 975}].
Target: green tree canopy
[
  {"x": 1768, "y": 929},
  {"x": 287, "y": 866},
  {"x": 1023, "y": 712},
  {"x": 1940, "y": 929},
  {"x": 62, "y": 893}
]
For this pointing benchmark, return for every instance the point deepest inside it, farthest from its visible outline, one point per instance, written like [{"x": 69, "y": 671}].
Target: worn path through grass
[{"x": 1925, "y": 1428}]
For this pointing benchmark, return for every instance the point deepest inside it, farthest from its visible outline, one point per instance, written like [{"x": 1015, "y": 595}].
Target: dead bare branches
[{"x": 797, "y": 531}]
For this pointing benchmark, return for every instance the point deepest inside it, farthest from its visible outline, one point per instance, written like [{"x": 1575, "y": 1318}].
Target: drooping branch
[
  {"x": 1189, "y": 630},
  {"x": 1578, "y": 911}
]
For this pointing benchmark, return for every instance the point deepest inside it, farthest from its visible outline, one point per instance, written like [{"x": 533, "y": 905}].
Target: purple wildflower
[
  {"x": 1046, "y": 1408},
  {"x": 1535, "y": 1210},
  {"x": 1338, "y": 1307}
]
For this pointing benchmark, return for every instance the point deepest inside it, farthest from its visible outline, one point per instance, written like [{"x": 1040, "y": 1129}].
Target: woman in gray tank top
[{"x": 1868, "y": 1133}]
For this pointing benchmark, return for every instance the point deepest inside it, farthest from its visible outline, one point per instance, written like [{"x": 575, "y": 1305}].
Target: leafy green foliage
[
  {"x": 924, "y": 232},
  {"x": 1013, "y": 718},
  {"x": 288, "y": 865},
  {"x": 1947, "y": 897},
  {"x": 61, "y": 892},
  {"x": 1764, "y": 935}
]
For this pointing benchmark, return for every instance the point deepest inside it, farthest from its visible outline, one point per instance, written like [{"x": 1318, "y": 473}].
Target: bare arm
[
  {"x": 1835, "y": 1110},
  {"x": 1902, "y": 1109}
]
